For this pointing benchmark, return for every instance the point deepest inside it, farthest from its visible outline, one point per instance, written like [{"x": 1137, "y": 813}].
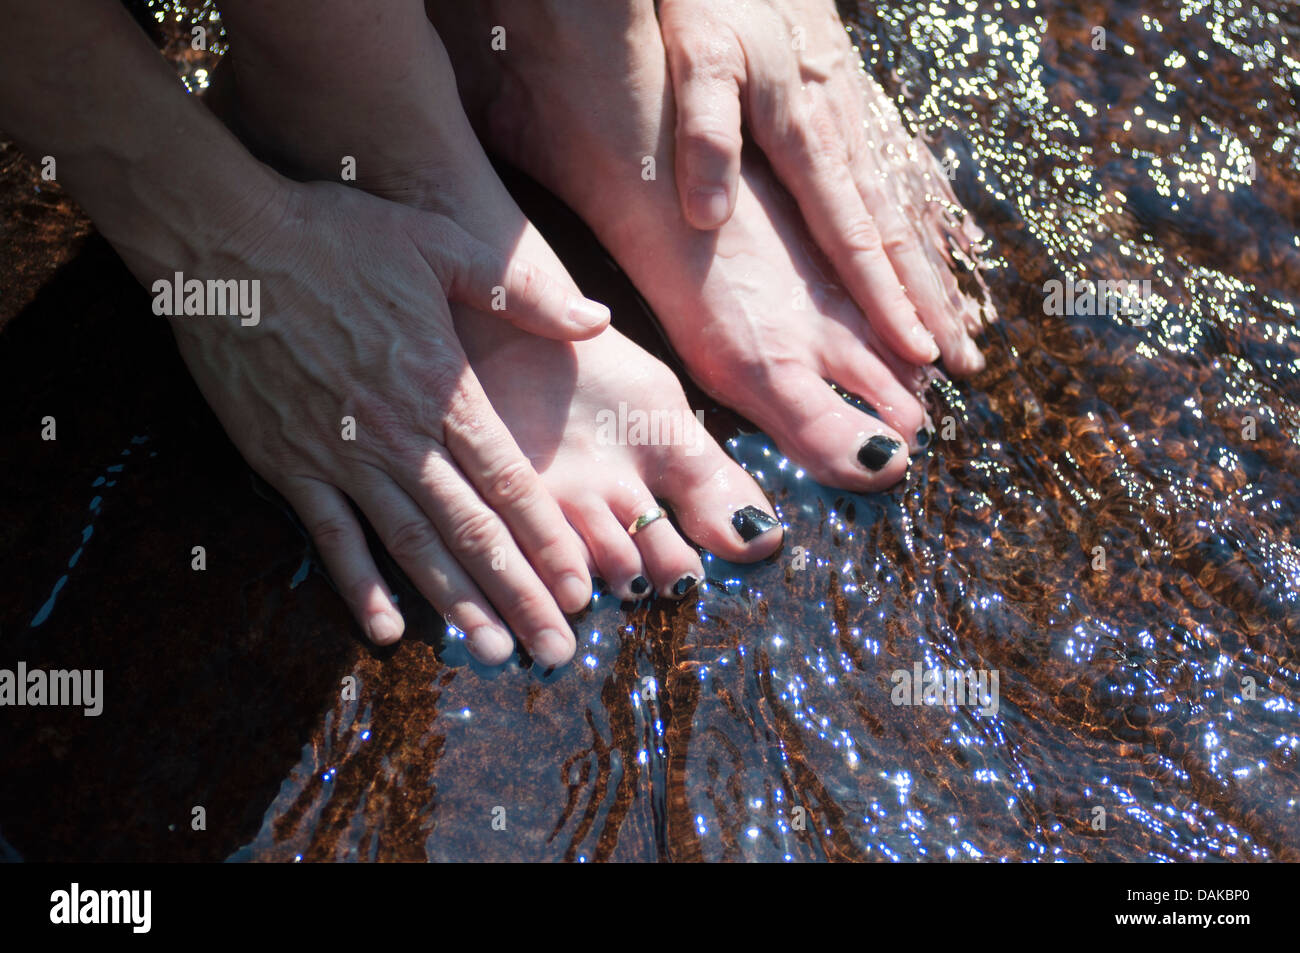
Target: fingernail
[
  {"x": 572, "y": 593},
  {"x": 751, "y": 522},
  {"x": 708, "y": 206},
  {"x": 639, "y": 586},
  {"x": 877, "y": 451},
  {"x": 489, "y": 641},
  {"x": 552, "y": 648},
  {"x": 925, "y": 340},
  {"x": 684, "y": 585},
  {"x": 587, "y": 313},
  {"x": 386, "y": 627}
]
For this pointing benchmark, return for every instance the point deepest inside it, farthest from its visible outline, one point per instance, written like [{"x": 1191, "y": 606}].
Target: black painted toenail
[
  {"x": 751, "y": 522},
  {"x": 684, "y": 585},
  {"x": 923, "y": 437},
  {"x": 877, "y": 451},
  {"x": 639, "y": 585}
]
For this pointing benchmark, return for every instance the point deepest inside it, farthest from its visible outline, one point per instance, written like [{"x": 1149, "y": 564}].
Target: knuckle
[
  {"x": 412, "y": 539},
  {"x": 706, "y": 57},
  {"x": 464, "y": 415},
  {"x": 330, "y": 532},
  {"x": 859, "y": 236},
  {"x": 812, "y": 134},
  {"x": 511, "y": 486},
  {"x": 446, "y": 403},
  {"x": 475, "y": 532},
  {"x": 443, "y": 383},
  {"x": 707, "y": 135},
  {"x": 527, "y": 282},
  {"x": 898, "y": 239}
]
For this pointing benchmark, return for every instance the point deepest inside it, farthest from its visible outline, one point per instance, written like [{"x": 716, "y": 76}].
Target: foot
[
  {"x": 580, "y": 100},
  {"x": 561, "y": 403}
]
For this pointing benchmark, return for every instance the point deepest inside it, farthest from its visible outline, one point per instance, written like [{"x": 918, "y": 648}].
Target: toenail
[
  {"x": 877, "y": 451},
  {"x": 923, "y": 437},
  {"x": 639, "y": 585},
  {"x": 751, "y": 522},
  {"x": 684, "y": 585}
]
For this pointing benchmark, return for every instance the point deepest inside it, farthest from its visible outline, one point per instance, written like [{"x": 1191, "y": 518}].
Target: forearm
[
  {"x": 161, "y": 178},
  {"x": 342, "y": 78}
]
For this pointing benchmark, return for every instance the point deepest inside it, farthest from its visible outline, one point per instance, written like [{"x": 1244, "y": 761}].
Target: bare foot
[
  {"x": 561, "y": 401},
  {"x": 579, "y": 98}
]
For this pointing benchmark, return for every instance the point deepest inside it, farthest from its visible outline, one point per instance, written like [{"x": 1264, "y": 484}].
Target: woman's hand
[
  {"x": 836, "y": 143},
  {"x": 355, "y": 324}
]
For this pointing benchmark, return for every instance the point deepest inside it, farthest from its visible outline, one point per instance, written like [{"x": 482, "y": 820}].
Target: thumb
[{"x": 474, "y": 273}]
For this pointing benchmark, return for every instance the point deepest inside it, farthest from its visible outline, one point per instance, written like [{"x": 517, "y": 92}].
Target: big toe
[
  {"x": 814, "y": 426},
  {"x": 719, "y": 505}
]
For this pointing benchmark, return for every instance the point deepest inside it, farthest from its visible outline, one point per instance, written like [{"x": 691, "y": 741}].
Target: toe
[
  {"x": 836, "y": 443},
  {"x": 860, "y": 372},
  {"x": 718, "y": 504},
  {"x": 616, "y": 556},
  {"x": 673, "y": 566}
]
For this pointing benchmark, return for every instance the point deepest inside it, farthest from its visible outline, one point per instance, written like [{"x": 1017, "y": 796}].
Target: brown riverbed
[{"x": 1161, "y": 689}]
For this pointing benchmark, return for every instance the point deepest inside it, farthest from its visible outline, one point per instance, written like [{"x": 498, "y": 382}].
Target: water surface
[{"x": 1160, "y": 690}]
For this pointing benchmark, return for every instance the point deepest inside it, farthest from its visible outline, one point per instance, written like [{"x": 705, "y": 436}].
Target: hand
[
  {"x": 791, "y": 70},
  {"x": 355, "y": 322}
]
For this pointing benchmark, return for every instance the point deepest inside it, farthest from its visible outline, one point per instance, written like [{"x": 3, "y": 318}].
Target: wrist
[{"x": 186, "y": 216}]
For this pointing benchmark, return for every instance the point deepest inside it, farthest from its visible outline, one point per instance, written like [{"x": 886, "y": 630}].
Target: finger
[
  {"x": 413, "y": 542},
  {"x": 341, "y": 542},
  {"x": 943, "y": 310},
  {"x": 481, "y": 542},
  {"x": 472, "y": 272},
  {"x": 810, "y": 159},
  {"x": 707, "y": 76},
  {"x": 488, "y": 456},
  {"x": 886, "y": 178}
]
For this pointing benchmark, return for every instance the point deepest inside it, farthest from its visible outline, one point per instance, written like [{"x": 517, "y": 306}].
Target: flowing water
[{"x": 1107, "y": 523}]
